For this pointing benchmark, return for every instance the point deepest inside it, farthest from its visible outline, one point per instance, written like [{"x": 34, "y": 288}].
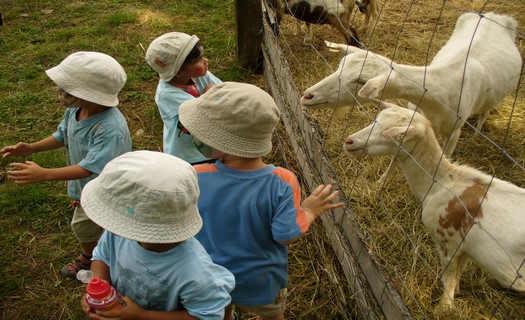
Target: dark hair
[{"x": 195, "y": 54}]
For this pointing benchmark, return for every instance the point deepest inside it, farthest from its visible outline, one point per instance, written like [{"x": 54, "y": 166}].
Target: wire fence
[{"x": 387, "y": 254}]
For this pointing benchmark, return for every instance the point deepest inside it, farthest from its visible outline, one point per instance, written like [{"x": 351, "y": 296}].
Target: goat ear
[
  {"x": 344, "y": 49},
  {"x": 373, "y": 88},
  {"x": 400, "y": 133}
]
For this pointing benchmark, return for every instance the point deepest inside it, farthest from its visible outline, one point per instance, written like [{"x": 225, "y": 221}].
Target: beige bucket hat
[
  {"x": 91, "y": 76},
  {"x": 145, "y": 196},
  {"x": 235, "y": 118},
  {"x": 167, "y": 53}
]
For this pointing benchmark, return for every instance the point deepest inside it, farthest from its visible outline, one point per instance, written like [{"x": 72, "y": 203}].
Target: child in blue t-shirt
[
  {"x": 93, "y": 132},
  {"x": 147, "y": 202},
  {"x": 251, "y": 210},
  {"x": 179, "y": 60}
]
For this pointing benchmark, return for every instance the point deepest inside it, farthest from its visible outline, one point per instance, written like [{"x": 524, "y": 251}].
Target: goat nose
[
  {"x": 308, "y": 96},
  {"x": 349, "y": 141}
]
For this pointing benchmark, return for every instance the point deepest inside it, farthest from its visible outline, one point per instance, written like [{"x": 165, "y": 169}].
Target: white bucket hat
[
  {"x": 91, "y": 76},
  {"x": 145, "y": 196},
  {"x": 235, "y": 118},
  {"x": 167, "y": 53}
]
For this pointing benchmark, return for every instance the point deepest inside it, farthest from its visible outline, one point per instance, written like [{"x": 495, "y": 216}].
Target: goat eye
[{"x": 361, "y": 82}]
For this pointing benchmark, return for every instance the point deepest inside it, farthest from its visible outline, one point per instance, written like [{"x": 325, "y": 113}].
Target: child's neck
[
  {"x": 158, "y": 247},
  {"x": 240, "y": 163},
  {"x": 89, "y": 109},
  {"x": 181, "y": 81}
]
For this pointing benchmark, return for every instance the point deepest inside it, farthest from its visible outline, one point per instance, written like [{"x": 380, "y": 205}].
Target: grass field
[{"x": 36, "y": 239}]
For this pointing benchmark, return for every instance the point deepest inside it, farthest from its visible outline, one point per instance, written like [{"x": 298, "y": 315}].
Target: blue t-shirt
[
  {"x": 246, "y": 213},
  {"x": 182, "y": 277},
  {"x": 168, "y": 99},
  {"x": 93, "y": 142}
]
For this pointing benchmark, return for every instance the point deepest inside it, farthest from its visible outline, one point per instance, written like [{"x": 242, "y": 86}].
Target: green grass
[{"x": 36, "y": 239}]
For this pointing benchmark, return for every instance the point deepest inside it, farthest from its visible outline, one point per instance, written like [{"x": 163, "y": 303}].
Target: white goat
[
  {"x": 470, "y": 75},
  {"x": 333, "y": 12},
  {"x": 468, "y": 213}
]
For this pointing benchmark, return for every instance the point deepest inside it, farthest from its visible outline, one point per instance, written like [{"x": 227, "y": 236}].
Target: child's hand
[
  {"x": 29, "y": 172},
  {"x": 208, "y": 87},
  {"x": 130, "y": 311},
  {"x": 320, "y": 201},
  {"x": 84, "y": 305},
  {"x": 21, "y": 149}
]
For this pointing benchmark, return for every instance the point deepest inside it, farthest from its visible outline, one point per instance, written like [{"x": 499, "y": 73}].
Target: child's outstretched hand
[
  {"x": 320, "y": 201},
  {"x": 20, "y": 149},
  {"x": 28, "y": 172}
]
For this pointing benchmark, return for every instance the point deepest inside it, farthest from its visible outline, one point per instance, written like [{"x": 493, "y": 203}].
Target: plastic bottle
[{"x": 100, "y": 295}]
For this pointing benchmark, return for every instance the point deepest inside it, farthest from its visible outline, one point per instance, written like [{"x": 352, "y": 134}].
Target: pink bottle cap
[{"x": 98, "y": 288}]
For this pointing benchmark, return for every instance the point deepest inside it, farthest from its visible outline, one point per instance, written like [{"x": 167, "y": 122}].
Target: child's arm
[
  {"x": 133, "y": 311},
  {"x": 100, "y": 270},
  {"x": 30, "y": 172},
  {"x": 23, "y": 149}
]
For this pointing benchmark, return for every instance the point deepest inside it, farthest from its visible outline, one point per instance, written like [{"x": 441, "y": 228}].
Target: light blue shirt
[
  {"x": 246, "y": 214},
  {"x": 93, "y": 142},
  {"x": 182, "y": 277},
  {"x": 168, "y": 99}
]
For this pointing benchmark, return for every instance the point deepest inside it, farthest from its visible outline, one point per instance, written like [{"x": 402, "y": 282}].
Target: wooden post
[{"x": 248, "y": 17}]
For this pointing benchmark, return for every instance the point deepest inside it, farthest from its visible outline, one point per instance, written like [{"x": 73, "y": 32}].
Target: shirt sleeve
[
  {"x": 169, "y": 100},
  {"x": 102, "y": 250},
  {"x": 289, "y": 220},
  {"x": 208, "y": 292}
]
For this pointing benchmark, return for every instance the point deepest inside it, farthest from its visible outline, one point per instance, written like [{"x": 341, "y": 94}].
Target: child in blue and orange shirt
[{"x": 250, "y": 210}]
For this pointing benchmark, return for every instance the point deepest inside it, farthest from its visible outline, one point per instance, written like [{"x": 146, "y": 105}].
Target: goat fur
[
  {"x": 478, "y": 66},
  {"x": 468, "y": 213}
]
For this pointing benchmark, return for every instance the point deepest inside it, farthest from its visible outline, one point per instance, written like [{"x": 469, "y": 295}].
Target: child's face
[
  {"x": 196, "y": 67},
  {"x": 206, "y": 150},
  {"x": 67, "y": 99}
]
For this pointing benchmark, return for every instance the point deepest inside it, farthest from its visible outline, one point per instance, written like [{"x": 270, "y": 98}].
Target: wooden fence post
[{"x": 248, "y": 17}]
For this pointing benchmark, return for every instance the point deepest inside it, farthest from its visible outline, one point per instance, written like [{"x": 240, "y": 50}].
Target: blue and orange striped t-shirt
[{"x": 246, "y": 215}]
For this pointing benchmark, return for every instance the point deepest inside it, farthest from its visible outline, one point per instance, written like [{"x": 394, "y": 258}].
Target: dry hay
[{"x": 388, "y": 214}]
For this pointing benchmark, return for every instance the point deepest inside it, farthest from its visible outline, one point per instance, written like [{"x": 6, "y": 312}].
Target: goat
[
  {"x": 468, "y": 213},
  {"x": 478, "y": 66},
  {"x": 333, "y": 12}
]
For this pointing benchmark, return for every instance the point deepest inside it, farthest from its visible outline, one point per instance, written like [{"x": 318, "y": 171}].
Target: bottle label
[{"x": 112, "y": 302}]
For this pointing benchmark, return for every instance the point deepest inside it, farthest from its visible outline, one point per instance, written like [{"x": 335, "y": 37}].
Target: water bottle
[{"x": 100, "y": 295}]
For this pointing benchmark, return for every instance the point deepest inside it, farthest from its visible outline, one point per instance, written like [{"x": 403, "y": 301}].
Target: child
[
  {"x": 183, "y": 71},
  {"x": 147, "y": 202},
  {"x": 93, "y": 132},
  {"x": 256, "y": 205}
]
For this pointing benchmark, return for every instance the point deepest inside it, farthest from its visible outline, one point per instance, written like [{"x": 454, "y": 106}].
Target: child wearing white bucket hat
[
  {"x": 93, "y": 131},
  {"x": 257, "y": 205},
  {"x": 183, "y": 70},
  {"x": 147, "y": 203}
]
